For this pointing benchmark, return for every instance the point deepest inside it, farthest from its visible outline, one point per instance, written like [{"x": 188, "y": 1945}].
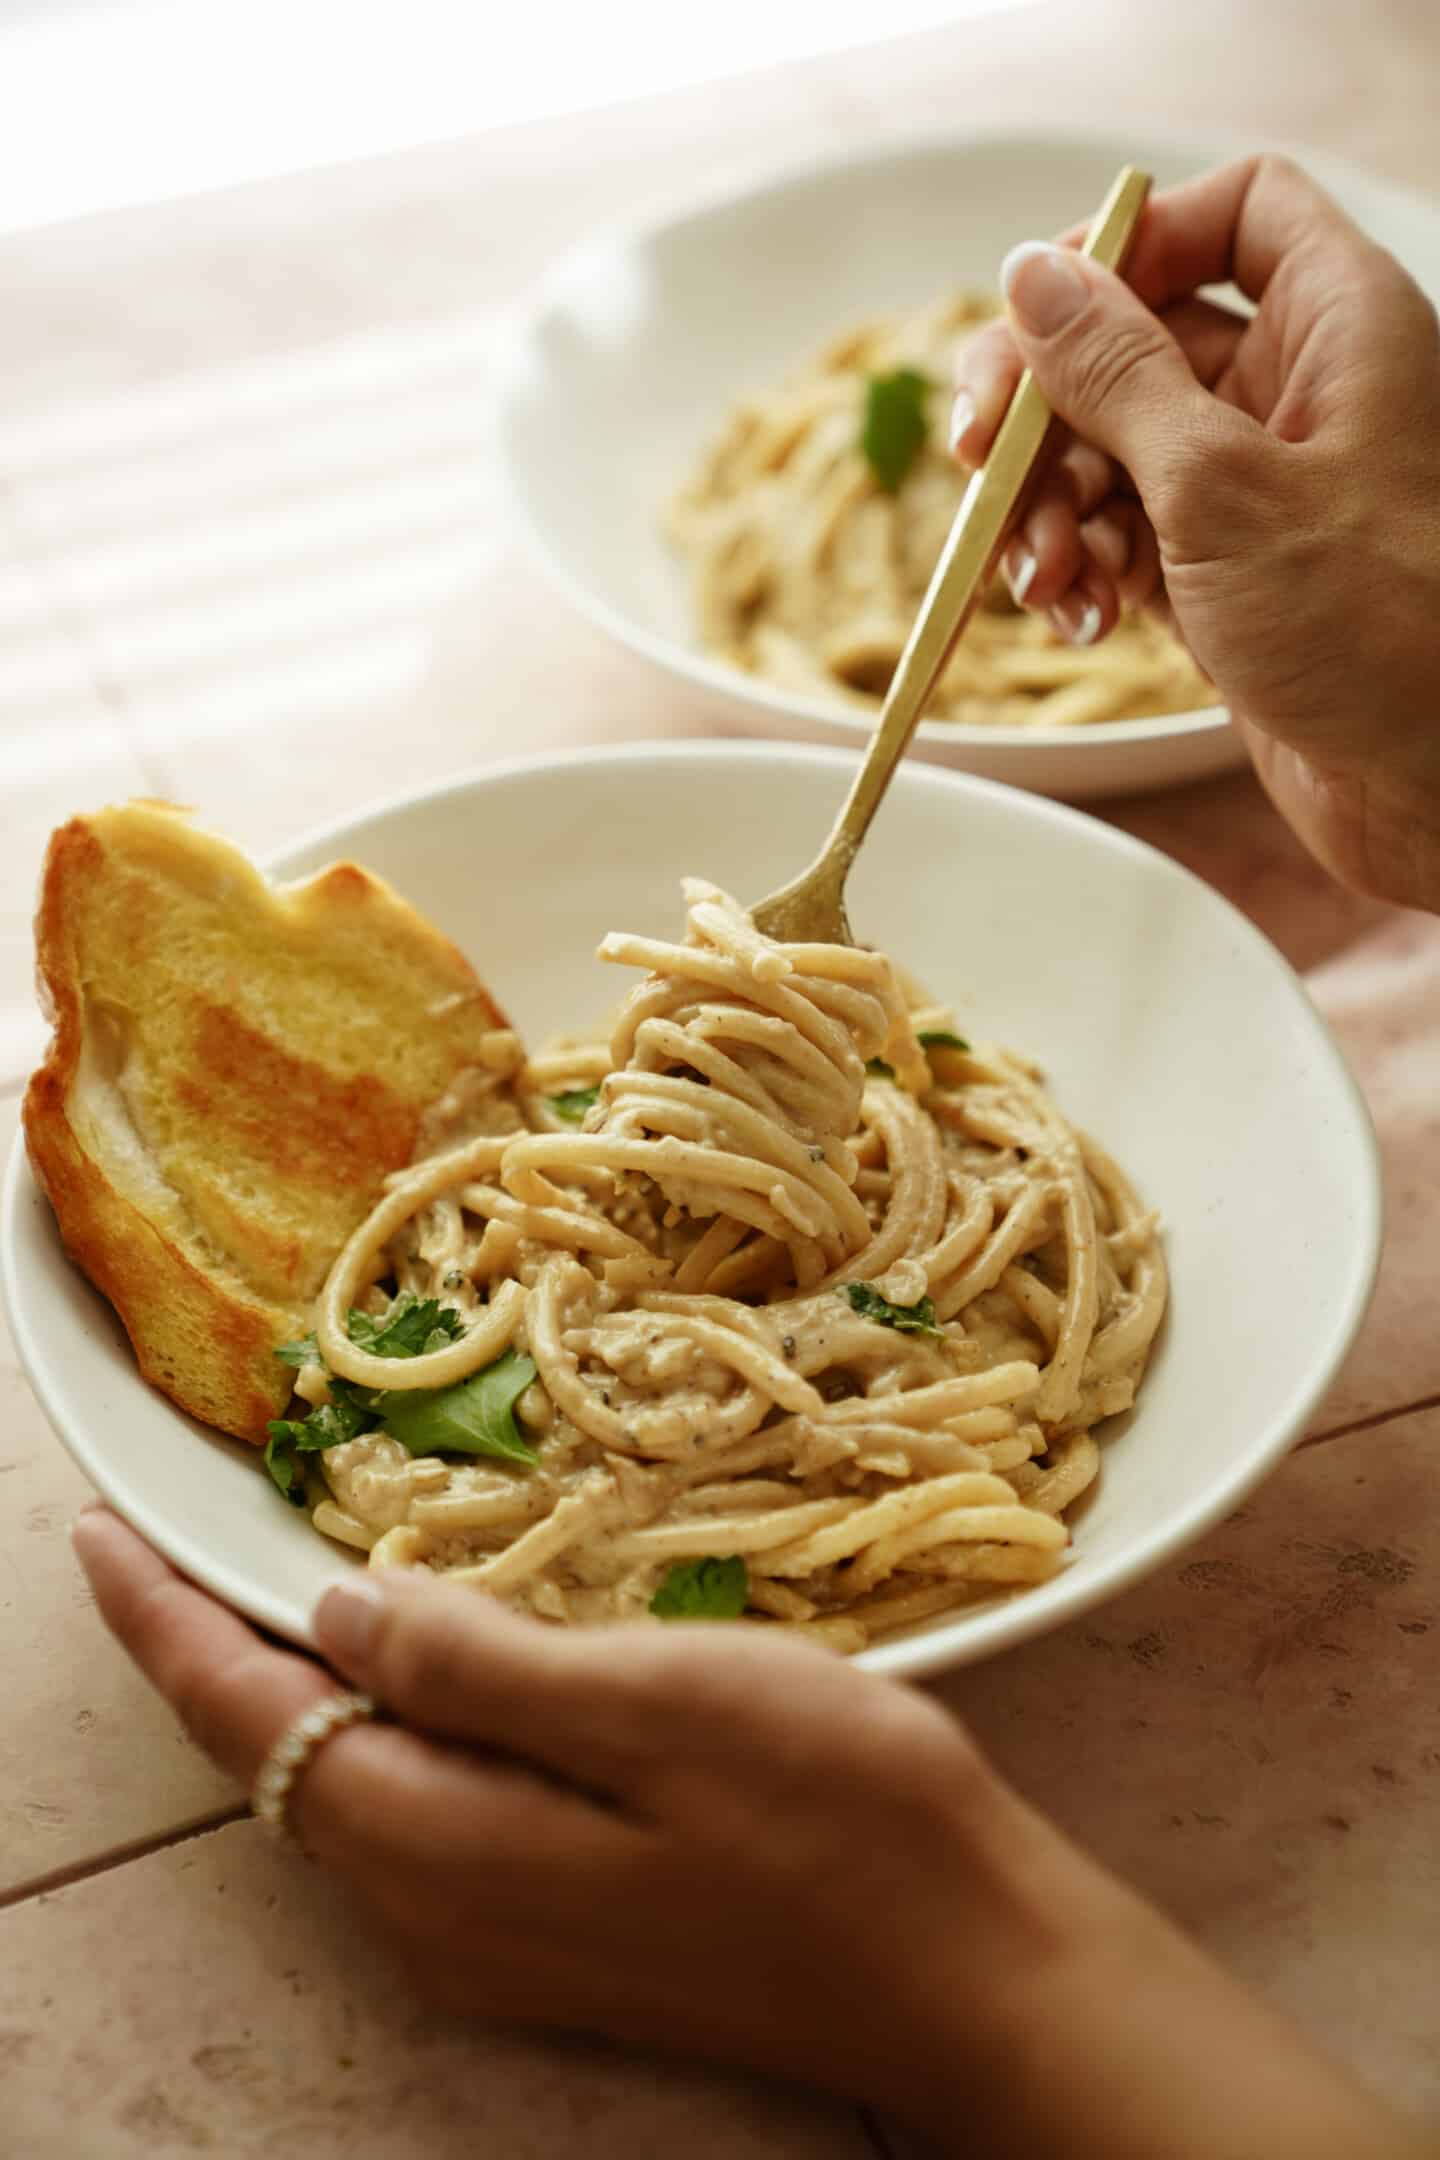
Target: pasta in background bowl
[
  {"x": 1162, "y": 1020},
  {"x": 634, "y": 348},
  {"x": 815, "y": 518}
]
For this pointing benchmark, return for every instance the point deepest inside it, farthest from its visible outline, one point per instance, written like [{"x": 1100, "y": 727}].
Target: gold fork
[{"x": 811, "y": 910}]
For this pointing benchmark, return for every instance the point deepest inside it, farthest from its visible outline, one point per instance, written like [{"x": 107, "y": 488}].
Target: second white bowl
[{"x": 634, "y": 347}]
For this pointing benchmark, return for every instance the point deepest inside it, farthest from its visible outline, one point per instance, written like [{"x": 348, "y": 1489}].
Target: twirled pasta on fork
[{"x": 786, "y": 1302}]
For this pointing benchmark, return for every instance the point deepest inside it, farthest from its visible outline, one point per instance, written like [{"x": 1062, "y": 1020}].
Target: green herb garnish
[
  {"x": 347, "y": 1414},
  {"x": 304, "y": 1352},
  {"x": 703, "y": 1590},
  {"x": 917, "y": 1319},
  {"x": 472, "y": 1418},
  {"x": 940, "y": 1039},
  {"x": 571, "y": 1104},
  {"x": 475, "y": 1417},
  {"x": 281, "y": 1460},
  {"x": 410, "y": 1328},
  {"x": 878, "y": 1069},
  {"x": 895, "y": 428}
]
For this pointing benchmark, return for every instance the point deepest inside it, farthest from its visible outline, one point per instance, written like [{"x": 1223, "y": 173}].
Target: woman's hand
[
  {"x": 1272, "y": 481},
  {"x": 688, "y": 1837},
  {"x": 708, "y": 1839}
]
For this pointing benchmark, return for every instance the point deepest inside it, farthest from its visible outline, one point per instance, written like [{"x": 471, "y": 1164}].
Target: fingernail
[
  {"x": 345, "y": 1623},
  {"x": 962, "y": 412},
  {"x": 1020, "y": 567},
  {"x": 1077, "y": 619},
  {"x": 82, "y": 1531},
  {"x": 1043, "y": 286},
  {"x": 87, "y": 1522}
]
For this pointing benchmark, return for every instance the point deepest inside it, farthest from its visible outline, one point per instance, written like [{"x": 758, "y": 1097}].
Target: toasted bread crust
[
  {"x": 166, "y": 1303},
  {"x": 210, "y": 1249}
]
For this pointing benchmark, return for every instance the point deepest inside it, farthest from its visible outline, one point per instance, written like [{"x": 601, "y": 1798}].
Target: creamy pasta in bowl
[
  {"x": 805, "y": 1309},
  {"x": 793, "y": 1293}
]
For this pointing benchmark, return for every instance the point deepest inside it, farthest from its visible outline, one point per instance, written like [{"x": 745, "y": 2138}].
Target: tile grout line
[
  {"x": 141, "y": 1848},
  {"x": 81, "y": 1871},
  {"x": 1367, "y": 1424}
]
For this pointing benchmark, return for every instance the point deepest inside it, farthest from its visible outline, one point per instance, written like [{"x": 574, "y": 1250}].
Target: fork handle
[{"x": 972, "y": 550}]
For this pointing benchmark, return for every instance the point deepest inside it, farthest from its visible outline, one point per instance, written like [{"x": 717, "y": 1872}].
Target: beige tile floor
[
  {"x": 1253, "y": 1737},
  {"x": 249, "y": 514},
  {"x": 90, "y": 1762},
  {"x": 259, "y": 2018}
]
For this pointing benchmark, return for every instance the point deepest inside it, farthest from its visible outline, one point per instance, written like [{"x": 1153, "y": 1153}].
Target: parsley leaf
[
  {"x": 330, "y": 1425},
  {"x": 411, "y": 1327},
  {"x": 475, "y": 1417},
  {"x": 703, "y": 1590},
  {"x": 347, "y": 1413},
  {"x": 304, "y": 1352},
  {"x": 571, "y": 1104},
  {"x": 472, "y": 1418},
  {"x": 866, "y": 1300},
  {"x": 941, "y": 1039},
  {"x": 895, "y": 428},
  {"x": 280, "y": 1460},
  {"x": 878, "y": 1069}
]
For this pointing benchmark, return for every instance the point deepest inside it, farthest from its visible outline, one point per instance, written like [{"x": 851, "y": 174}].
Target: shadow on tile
[
  {"x": 220, "y": 1995},
  {"x": 1253, "y": 1738}
]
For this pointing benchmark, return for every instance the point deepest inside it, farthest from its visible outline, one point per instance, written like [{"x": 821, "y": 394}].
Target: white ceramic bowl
[
  {"x": 633, "y": 348},
  {"x": 1165, "y": 1022}
]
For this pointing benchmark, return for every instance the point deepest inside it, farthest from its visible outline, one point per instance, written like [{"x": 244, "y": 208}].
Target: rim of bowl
[
  {"x": 753, "y": 181},
  {"x": 967, "y": 1636}
]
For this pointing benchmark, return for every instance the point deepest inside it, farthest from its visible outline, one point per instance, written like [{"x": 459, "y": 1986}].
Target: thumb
[{"x": 1107, "y": 365}]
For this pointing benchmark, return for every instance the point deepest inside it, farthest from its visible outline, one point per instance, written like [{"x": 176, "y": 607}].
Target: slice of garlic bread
[{"x": 234, "y": 1069}]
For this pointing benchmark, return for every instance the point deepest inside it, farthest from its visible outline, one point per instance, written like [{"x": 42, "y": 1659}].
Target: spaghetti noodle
[
  {"x": 812, "y": 1290},
  {"x": 809, "y": 574}
]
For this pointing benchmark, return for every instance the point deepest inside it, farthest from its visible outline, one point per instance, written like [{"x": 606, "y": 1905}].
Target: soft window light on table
[{"x": 217, "y": 93}]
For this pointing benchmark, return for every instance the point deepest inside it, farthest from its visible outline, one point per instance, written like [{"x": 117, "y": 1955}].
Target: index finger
[
  {"x": 609, "y": 1709},
  {"x": 234, "y": 1693},
  {"x": 373, "y": 1790},
  {"x": 1234, "y": 225}
]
